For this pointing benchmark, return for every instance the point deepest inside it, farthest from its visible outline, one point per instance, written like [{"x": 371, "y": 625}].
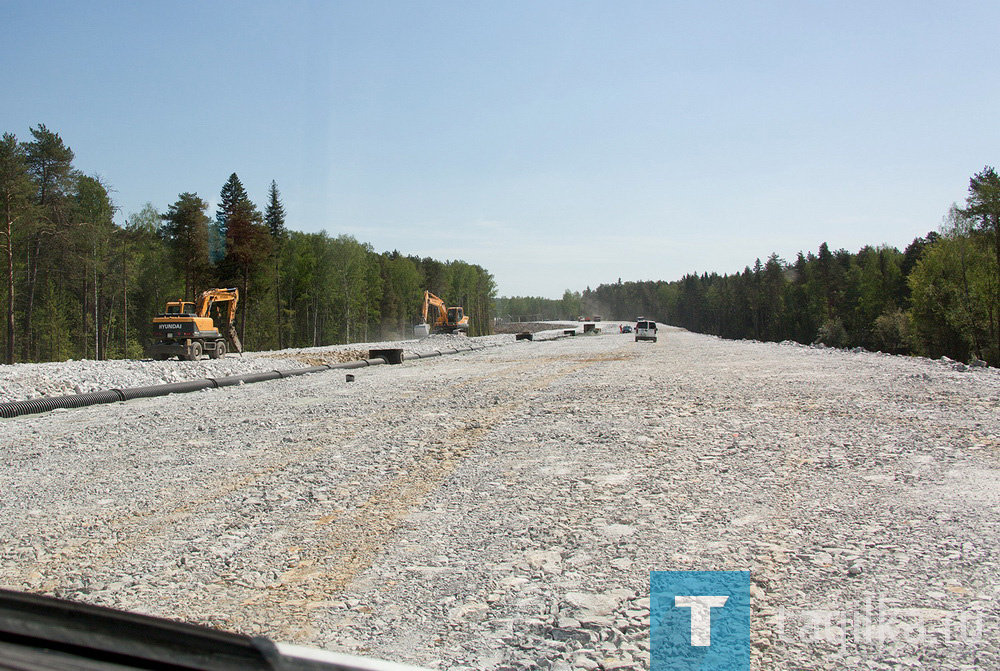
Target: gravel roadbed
[{"x": 502, "y": 509}]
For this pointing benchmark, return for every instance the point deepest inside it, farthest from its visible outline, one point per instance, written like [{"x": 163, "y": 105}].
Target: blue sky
[{"x": 557, "y": 144}]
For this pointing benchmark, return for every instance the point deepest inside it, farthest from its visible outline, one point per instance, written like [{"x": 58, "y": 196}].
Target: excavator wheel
[
  {"x": 194, "y": 351},
  {"x": 219, "y": 351}
]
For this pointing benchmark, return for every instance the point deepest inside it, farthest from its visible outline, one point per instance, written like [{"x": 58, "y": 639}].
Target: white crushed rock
[{"x": 502, "y": 509}]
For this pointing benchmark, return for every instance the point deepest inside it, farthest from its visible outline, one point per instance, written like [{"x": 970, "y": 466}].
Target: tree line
[
  {"x": 535, "y": 308},
  {"x": 77, "y": 285},
  {"x": 938, "y": 297}
]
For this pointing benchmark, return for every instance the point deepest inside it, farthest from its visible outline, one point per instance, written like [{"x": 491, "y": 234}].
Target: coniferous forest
[
  {"x": 77, "y": 285},
  {"x": 938, "y": 297}
]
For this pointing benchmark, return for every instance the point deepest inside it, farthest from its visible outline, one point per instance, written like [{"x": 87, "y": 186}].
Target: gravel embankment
[
  {"x": 503, "y": 508},
  {"x": 33, "y": 380},
  {"x": 536, "y": 327}
]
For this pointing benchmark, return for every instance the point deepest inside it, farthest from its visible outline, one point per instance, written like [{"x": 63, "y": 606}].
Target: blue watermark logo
[{"x": 699, "y": 620}]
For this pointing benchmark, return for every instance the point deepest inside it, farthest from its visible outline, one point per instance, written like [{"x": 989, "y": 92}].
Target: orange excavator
[
  {"x": 445, "y": 319},
  {"x": 188, "y": 329}
]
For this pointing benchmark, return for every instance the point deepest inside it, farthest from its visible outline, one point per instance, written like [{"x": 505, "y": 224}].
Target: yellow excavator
[
  {"x": 445, "y": 319},
  {"x": 188, "y": 329}
]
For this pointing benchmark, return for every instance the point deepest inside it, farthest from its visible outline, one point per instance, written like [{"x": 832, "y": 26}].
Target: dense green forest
[
  {"x": 531, "y": 308},
  {"x": 77, "y": 285},
  {"x": 938, "y": 297}
]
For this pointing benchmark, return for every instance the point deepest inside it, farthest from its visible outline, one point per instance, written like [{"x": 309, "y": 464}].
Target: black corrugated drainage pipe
[
  {"x": 157, "y": 390},
  {"x": 34, "y": 406},
  {"x": 393, "y": 356}
]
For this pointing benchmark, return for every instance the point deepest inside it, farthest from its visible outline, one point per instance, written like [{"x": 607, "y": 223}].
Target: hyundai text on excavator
[
  {"x": 188, "y": 329},
  {"x": 445, "y": 319}
]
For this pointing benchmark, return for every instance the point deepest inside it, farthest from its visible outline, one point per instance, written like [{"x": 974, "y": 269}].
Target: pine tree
[
  {"x": 274, "y": 217},
  {"x": 984, "y": 205},
  {"x": 185, "y": 229},
  {"x": 248, "y": 245},
  {"x": 232, "y": 195},
  {"x": 50, "y": 164},
  {"x": 16, "y": 190}
]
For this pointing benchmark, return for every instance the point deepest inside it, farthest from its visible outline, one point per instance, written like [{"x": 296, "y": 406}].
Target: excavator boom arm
[
  {"x": 213, "y": 296},
  {"x": 230, "y": 296},
  {"x": 442, "y": 310}
]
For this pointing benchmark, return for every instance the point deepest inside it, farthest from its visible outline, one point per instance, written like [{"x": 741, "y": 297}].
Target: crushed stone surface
[
  {"x": 502, "y": 508},
  {"x": 33, "y": 380}
]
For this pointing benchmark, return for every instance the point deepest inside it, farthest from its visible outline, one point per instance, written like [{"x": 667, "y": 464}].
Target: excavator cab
[{"x": 180, "y": 308}]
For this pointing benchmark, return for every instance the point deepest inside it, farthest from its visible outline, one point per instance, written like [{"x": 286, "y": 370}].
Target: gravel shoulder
[{"x": 503, "y": 508}]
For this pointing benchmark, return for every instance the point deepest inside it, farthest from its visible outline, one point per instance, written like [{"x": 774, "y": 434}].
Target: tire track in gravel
[
  {"x": 114, "y": 539},
  {"x": 346, "y": 546},
  {"x": 122, "y": 534},
  {"x": 131, "y": 528}
]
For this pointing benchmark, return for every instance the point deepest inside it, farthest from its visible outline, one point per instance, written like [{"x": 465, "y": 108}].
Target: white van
[{"x": 645, "y": 330}]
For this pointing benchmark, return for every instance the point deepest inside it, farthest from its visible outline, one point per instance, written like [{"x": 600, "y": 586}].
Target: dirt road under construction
[{"x": 503, "y": 508}]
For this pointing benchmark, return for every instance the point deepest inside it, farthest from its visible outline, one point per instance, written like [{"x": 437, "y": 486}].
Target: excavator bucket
[
  {"x": 230, "y": 333},
  {"x": 422, "y": 330}
]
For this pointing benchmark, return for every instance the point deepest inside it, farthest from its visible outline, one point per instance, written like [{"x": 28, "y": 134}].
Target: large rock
[{"x": 592, "y": 604}]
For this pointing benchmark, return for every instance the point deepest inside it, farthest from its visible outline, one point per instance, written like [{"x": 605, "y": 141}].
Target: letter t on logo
[{"x": 701, "y": 615}]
